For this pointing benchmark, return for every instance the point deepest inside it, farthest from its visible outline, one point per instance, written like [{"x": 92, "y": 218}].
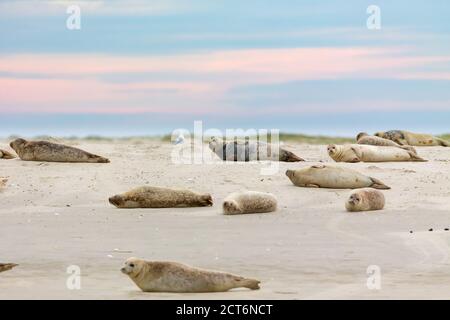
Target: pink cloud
[{"x": 73, "y": 84}]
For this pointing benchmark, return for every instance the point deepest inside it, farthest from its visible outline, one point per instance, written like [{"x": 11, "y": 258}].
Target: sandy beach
[{"x": 53, "y": 215}]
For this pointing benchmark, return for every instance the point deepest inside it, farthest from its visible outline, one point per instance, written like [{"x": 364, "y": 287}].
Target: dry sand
[{"x": 53, "y": 215}]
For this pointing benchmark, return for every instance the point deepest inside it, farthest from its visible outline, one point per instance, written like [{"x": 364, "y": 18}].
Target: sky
[{"x": 148, "y": 67}]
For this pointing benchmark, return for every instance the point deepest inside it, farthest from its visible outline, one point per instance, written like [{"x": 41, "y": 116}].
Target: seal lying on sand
[
  {"x": 156, "y": 197},
  {"x": 250, "y": 151},
  {"x": 249, "y": 202},
  {"x": 7, "y": 266},
  {"x": 365, "y": 138},
  {"x": 365, "y": 199},
  {"x": 413, "y": 139},
  {"x": 322, "y": 176},
  {"x": 6, "y": 155},
  {"x": 365, "y": 153},
  {"x": 52, "y": 152},
  {"x": 155, "y": 276}
]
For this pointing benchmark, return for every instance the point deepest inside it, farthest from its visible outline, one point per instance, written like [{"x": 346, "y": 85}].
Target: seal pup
[
  {"x": 3, "y": 182},
  {"x": 161, "y": 276},
  {"x": 7, "y": 266},
  {"x": 156, "y": 197},
  {"x": 6, "y": 155},
  {"x": 52, "y": 152},
  {"x": 366, "y": 153},
  {"x": 403, "y": 137},
  {"x": 250, "y": 151},
  {"x": 249, "y": 202},
  {"x": 323, "y": 176},
  {"x": 365, "y": 138},
  {"x": 365, "y": 199}
]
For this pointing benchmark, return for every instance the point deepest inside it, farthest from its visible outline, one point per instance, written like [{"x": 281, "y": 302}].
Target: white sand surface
[{"x": 53, "y": 215}]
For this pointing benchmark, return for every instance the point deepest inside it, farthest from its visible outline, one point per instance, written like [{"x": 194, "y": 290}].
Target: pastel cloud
[{"x": 73, "y": 83}]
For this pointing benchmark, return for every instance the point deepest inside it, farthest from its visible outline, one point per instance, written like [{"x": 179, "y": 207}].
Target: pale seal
[
  {"x": 413, "y": 139},
  {"x": 365, "y": 199},
  {"x": 6, "y": 155},
  {"x": 249, "y": 202},
  {"x": 52, "y": 152},
  {"x": 366, "y": 153},
  {"x": 250, "y": 151},
  {"x": 156, "y": 197},
  {"x": 160, "y": 276},
  {"x": 7, "y": 266},
  {"x": 365, "y": 138},
  {"x": 322, "y": 176}
]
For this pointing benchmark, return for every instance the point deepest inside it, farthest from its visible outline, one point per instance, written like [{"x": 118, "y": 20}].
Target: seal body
[
  {"x": 323, "y": 176},
  {"x": 160, "y": 276},
  {"x": 413, "y": 139},
  {"x": 7, "y": 266},
  {"x": 364, "y": 138},
  {"x": 366, "y": 153},
  {"x": 250, "y": 151},
  {"x": 365, "y": 199},
  {"x": 249, "y": 202},
  {"x": 52, "y": 152},
  {"x": 6, "y": 155},
  {"x": 156, "y": 197}
]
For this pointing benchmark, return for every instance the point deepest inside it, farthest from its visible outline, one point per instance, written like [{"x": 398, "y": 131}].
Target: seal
[
  {"x": 250, "y": 151},
  {"x": 52, "y": 152},
  {"x": 6, "y": 155},
  {"x": 413, "y": 139},
  {"x": 366, "y": 153},
  {"x": 7, "y": 266},
  {"x": 156, "y": 197},
  {"x": 365, "y": 199},
  {"x": 323, "y": 176},
  {"x": 249, "y": 202},
  {"x": 365, "y": 138},
  {"x": 161, "y": 276}
]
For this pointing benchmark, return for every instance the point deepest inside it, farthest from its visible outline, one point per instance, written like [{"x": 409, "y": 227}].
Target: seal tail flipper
[
  {"x": 377, "y": 184},
  {"x": 98, "y": 159},
  {"x": 7, "y": 266},
  {"x": 251, "y": 284},
  {"x": 443, "y": 142},
  {"x": 415, "y": 157},
  {"x": 7, "y": 155}
]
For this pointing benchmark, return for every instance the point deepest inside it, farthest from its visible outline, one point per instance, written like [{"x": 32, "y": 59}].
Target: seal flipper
[
  {"x": 311, "y": 185},
  {"x": 98, "y": 159},
  {"x": 415, "y": 157},
  {"x": 357, "y": 157},
  {"x": 443, "y": 143},
  {"x": 377, "y": 184},
  {"x": 7, "y": 266},
  {"x": 251, "y": 284}
]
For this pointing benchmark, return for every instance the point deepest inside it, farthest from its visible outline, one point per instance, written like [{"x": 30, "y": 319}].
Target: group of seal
[
  {"x": 158, "y": 197},
  {"x": 403, "y": 138},
  {"x": 157, "y": 276}
]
